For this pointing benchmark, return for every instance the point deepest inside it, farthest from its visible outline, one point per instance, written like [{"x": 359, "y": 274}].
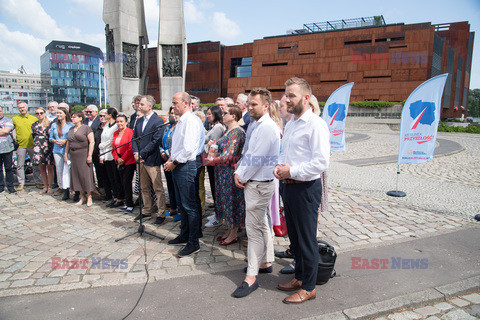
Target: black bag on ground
[{"x": 326, "y": 262}]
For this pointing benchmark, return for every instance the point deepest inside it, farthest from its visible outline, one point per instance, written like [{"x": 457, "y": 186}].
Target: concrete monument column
[
  {"x": 172, "y": 51},
  {"x": 126, "y": 60}
]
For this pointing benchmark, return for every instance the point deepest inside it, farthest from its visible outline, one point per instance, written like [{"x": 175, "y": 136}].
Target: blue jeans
[
  {"x": 185, "y": 193},
  {"x": 7, "y": 162}
]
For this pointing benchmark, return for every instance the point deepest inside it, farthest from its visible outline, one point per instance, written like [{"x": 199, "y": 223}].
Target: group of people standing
[{"x": 253, "y": 150}]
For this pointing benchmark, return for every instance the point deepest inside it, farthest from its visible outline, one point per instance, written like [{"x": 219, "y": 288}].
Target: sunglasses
[
  {"x": 39, "y": 112},
  {"x": 102, "y": 116},
  {"x": 225, "y": 112},
  {"x": 88, "y": 111}
]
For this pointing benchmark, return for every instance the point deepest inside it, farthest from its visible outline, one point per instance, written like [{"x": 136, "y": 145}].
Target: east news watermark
[
  {"x": 89, "y": 263},
  {"x": 397, "y": 263}
]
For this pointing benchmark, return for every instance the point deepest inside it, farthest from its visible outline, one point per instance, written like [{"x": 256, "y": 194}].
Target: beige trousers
[
  {"x": 258, "y": 224},
  {"x": 152, "y": 175}
]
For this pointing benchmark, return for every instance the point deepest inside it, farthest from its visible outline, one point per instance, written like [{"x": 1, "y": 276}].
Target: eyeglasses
[{"x": 39, "y": 112}]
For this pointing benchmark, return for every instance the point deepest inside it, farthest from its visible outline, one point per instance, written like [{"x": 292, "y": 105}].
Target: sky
[{"x": 27, "y": 26}]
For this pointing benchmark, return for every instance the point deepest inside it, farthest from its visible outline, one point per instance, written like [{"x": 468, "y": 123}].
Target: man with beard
[
  {"x": 255, "y": 175},
  {"x": 305, "y": 155}
]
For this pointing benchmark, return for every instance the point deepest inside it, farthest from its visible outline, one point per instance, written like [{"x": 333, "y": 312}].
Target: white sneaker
[
  {"x": 211, "y": 217},
  {"x": 212, "y": 223}
]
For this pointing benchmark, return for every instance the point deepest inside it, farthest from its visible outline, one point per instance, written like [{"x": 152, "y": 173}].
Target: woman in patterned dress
[
  {"x": 42, "y": 150},
  {"x": 230, "y": 202}
]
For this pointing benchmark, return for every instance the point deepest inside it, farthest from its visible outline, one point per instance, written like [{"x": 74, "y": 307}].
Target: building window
[{"x": 241, "y": 67}]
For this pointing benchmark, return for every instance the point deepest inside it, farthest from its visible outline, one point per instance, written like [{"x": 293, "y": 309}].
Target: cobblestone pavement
[
  {"x": 446, "y": 184},
  {"x": 466, "y": 307},
  {"x": 36, "y": 229}
]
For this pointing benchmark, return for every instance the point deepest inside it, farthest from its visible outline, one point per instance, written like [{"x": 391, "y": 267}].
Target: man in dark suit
[
  {"x": 135, "y": 105},
  {"x": 147, "y": 153},
  {"x": 242, "y": 104},
  {"x": 91, "y": 118}
]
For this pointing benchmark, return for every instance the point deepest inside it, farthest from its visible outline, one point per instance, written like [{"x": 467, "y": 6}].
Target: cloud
[
  {"x": 192, "y": 13},
  {"x": 20, "y": 49},
  {"x": 93, "y": 6},
  {"x": 225, "y": 27},
  {"x": 30, "y": 13}
]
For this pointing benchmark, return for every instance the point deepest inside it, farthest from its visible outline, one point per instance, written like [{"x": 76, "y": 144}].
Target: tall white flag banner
[
  {"x": 419, "y": 124},
  {"x": 335, "y": 114}
]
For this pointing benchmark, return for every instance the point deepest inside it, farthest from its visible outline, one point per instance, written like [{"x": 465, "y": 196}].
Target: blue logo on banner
[
  {"x": 422, "y": 112},
  {"x": 336, "y": 112}
]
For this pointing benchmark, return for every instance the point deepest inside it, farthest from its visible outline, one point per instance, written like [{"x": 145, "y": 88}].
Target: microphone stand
[{"x": 141, "y": 228}]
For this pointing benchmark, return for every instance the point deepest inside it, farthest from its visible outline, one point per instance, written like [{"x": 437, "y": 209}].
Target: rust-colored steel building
[{"x": 386, "y": 62}]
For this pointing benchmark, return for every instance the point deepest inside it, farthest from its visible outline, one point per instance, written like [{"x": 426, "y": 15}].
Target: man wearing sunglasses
[{"x": 91, "y": 118}]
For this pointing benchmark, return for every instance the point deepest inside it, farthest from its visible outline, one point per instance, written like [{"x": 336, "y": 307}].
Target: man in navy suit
[
  {"x": 242, "y": 104},
  {"x": 135, "y": 105},
  {"x": 91, "y": 118},
  {"x": 147, "y": 153}
]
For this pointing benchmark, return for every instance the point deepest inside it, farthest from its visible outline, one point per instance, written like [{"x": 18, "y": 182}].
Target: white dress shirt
[
  {"x": 145, "y": 121},
  {"x": 261, "y": 150},
  {"x": 306, "y": 146},
  {"x": 186, "y": 138},
  {"x": 106, "y": 141}
]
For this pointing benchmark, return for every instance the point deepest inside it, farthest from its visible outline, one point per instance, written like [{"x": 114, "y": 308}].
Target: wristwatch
[{"x": 176, "y": 163}]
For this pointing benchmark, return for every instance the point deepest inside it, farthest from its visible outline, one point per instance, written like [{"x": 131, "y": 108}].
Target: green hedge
[
  {"x": 77, "y": 107},
  {"x": 369, "y": 104},
  {"x": 442, "y": 127}
]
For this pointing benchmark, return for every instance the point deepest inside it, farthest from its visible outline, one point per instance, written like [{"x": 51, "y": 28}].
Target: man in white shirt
[
  {"x": 255, "y": 175},
  {"x": 305, "y": 155},
  {"x": 183, "y": 165}
]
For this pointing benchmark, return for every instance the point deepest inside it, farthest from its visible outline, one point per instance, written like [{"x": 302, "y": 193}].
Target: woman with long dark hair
[{"x": 58, "y": 136}]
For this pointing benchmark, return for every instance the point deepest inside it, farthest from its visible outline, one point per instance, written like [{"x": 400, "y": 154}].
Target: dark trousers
[
  {"x": 301, "y": 202},
  {"x": 184, "y": 181},
  {"x": 171, "y": 190},
  {"x": 6, "y": 161},
  {"x": 103, "y": 181},
  {"x": 114, "y": 179},
  {"x": 211, "y": 178},
  {"x": 198, "y": 165},
  {"x": 99, "y": 171},
  {"x": 126, "y": 177}
]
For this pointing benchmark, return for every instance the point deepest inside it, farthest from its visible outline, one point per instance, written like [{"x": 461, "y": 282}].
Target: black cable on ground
[{"x": 148, "y": 277}]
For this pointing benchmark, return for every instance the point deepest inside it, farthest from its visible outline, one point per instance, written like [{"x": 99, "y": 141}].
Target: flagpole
[{"x": 396, "y": 192}]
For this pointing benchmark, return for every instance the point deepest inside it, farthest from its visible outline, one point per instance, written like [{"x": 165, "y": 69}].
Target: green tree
[{"x": 474, "y": 103}]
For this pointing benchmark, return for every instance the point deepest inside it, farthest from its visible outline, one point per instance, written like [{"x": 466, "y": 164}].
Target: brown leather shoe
[
  {"x": 300, "y": 296},
  {"x": 292, "y": 285}
]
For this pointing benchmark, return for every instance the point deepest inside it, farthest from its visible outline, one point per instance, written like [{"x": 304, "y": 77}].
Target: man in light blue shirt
[{"x": 255, "y": 175}]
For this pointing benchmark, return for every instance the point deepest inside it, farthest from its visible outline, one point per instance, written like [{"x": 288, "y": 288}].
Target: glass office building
[{"x": 75, "y": 71}]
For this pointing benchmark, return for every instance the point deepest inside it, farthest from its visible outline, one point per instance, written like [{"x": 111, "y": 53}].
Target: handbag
[
  {"x": 281, "y": 230},
  {"x": 15, "y": 143},
  {"x": 326, "y": 262}
]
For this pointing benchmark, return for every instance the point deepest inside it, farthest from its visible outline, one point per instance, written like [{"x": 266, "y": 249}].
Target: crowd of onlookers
[
  {"x": 253, "y": 150},
  {"x": 72, "y": 152}
]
